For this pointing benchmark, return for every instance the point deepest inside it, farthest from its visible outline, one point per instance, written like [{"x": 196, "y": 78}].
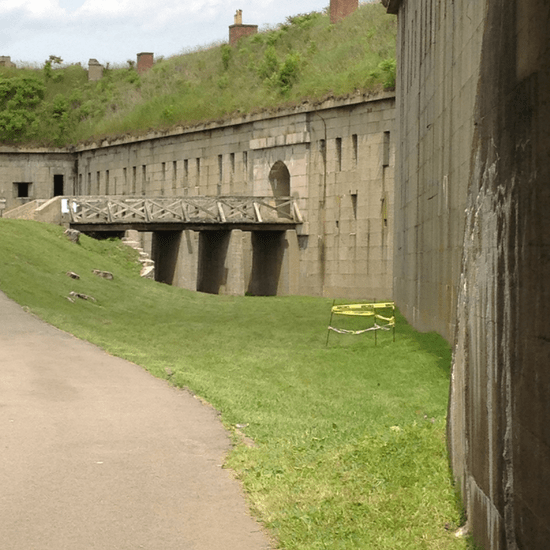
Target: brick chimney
[
  {"x": 339, "y": 9},
  {"x": 5, "y": 61},
  {"x": 238, "y": 30},
  {"x": 145, "y": 61},
  {"x": 95, "y": 70}
]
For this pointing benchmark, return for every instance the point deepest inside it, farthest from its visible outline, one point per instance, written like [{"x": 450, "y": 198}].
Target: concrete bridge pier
[
  {"x": 220, "y": 262},
  {"x": 231, "y": 262},
  {"x": 290, "y": 281},
  {"x": 226, "y": 261},
  {"x": 175, "y": 254},
  {"x": 165, "y": 248},
  {"x": 275, "y": 263},
  {"x": 187, "y": 267}
]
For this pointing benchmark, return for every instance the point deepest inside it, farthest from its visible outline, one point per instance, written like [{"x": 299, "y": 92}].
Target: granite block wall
[
  {"x": 472, "y": 240},
  {"x": 340, "y": 163},
  {"x": 335, "y": 159}
]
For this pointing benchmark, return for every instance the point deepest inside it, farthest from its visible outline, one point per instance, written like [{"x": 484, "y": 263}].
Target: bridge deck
[{"x": 178, "y": 213}]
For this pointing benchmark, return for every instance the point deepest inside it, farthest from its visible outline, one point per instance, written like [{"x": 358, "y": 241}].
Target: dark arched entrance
[{"x": 279, "y": 178}]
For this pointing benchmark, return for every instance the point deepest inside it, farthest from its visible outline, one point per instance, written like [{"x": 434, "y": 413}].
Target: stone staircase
[
  {"x": 147, "y": 264},
  {"x": 25, "y": 211}
]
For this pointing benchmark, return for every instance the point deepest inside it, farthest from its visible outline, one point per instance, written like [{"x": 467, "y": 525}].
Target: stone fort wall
[
  {"x": 336, "y": 159},
  {"x": 472, "y": 241}
]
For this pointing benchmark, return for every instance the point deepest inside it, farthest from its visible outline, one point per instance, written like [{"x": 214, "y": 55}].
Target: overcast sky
[{"x": 116, "y": 30}]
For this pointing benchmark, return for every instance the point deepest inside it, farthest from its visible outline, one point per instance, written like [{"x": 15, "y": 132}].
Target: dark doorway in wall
[
  {"x": 58, "y": 185},
  {"x": 165, "y": 248},
  {"x": 212, "y": 273},
  {"x": 22, "y": 189},
  {"x": 279, "y": 178},
  {"x": 268, "y": 249}
]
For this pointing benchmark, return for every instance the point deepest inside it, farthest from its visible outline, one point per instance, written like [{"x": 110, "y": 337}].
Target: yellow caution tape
[{"x": 367, "y": 309}]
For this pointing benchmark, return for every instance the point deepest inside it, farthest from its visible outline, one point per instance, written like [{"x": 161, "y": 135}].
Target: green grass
[
  {"x": 304, "y": 58},
  {"x": 350, "y": 438}
]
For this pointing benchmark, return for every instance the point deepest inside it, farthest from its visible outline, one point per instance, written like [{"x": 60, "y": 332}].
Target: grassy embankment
[
  {"x": 350, "y": 438},
  {"x": 305, "y": 58}
]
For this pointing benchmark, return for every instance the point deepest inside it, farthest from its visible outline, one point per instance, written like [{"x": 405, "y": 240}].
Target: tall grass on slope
[
  {"x": 350, "y": 449},
  {"x": 304, "y": 58}
]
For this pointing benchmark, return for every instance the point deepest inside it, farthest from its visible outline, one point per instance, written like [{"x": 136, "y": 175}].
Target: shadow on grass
[{"x": 428, "y": 342}]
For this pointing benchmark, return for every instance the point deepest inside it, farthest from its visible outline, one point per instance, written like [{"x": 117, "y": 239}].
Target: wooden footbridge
[{"x": 110, "y": 213}]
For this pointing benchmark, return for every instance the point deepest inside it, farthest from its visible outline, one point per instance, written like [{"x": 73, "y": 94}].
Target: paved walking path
[{"x": 95, "y": 453}]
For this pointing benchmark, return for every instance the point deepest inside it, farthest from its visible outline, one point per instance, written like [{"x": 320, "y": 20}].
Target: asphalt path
[{"x": 95, "y": 453}]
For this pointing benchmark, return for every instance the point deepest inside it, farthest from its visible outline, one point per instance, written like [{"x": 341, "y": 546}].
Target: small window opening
[
  {"x": 338, "y": 154},
  {"x": 220, "y": 168},
  {"x": 198, "y": 176},
  {"x": 354, "y": 204},
  {"x": 143, "y": 178},
  {"x": 58, "y": 185},
  {"x": 232, "y": 162},
  {"x": 323, "y": 148},
  {"x": 22, "y": 189},
  {"x": 386, "y": 150},
  {"x": 163, "y": 177},
  {"x": 354, "y": 148}
]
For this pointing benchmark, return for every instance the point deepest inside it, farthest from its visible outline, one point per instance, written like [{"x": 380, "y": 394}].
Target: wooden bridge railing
[{"x": 199, "y": 210}]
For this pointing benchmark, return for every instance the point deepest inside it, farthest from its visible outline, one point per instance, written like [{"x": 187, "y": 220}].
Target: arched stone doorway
[{"x": 279, "y": 179}]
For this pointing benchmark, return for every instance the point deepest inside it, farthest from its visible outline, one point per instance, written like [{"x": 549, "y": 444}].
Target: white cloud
[
  {"x": 134, "y": 9},
  {"x": 34, "y": 8}
]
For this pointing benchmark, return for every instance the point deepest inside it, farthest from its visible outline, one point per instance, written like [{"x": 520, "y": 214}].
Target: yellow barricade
[{"x": 370, "y": 309}]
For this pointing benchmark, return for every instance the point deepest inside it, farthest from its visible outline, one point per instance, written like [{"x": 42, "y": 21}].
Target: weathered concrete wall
[
  {"x": 438, "y": 51},
  {"x": 336, "y": 159},
  {"x": 506, "y": 466},
  {"x": 26, "y": 175},
  {"x": 95, "y": 70},
  {"x": 493, "y": 149}
]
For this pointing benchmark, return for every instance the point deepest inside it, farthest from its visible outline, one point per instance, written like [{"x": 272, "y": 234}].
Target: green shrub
[
  {"x": 387, "y": 73},
  {"x": 288, "y": 73},
  {"x": 19, "y": 99},
  {"x": 226, "y": 52}
]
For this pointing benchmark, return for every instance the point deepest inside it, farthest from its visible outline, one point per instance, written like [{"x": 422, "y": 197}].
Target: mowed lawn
[{"x": 349, "y": 439}]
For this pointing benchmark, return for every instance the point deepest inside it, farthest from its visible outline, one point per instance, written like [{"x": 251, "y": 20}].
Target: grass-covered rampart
[
  {"x": 305, "y": 58},
  {"x": 350, "y": 439}
]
